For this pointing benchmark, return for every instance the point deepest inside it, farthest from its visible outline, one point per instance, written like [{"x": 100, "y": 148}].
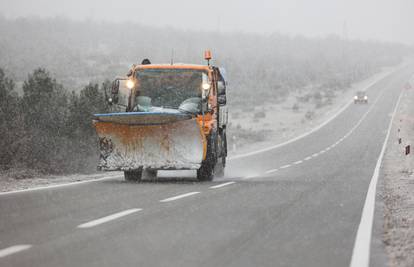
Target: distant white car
[{"x": 361, "y": 97}]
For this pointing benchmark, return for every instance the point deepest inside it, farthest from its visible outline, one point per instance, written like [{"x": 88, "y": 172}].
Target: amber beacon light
[{"x": 207, "y": 56}]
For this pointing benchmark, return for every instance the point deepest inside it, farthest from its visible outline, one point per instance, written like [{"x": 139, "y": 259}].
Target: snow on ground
[{"x": 397, "y": 187}]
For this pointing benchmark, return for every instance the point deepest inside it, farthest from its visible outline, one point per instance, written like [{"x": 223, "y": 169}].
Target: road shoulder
[{"x": 393, "y": 229}]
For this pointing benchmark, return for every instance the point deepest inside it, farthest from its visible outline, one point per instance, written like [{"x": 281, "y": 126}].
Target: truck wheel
[
  {"x": 133, "y": 175},
  {"x": 149, "y": 174},
  {"x": 206, "y": 171}
]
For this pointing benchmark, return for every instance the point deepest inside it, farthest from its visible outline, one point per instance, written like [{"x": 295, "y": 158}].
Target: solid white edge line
[
  {"x": 59, "y": 185},
  {"x": 13, "y": 249},
  {"x": 108, "y": 218},
  {"x": 362, "y": 245},
  {"x": 314, "y": 129},
  {"x": 221, "y": 185},
  {"x": 179, "y": 196}
]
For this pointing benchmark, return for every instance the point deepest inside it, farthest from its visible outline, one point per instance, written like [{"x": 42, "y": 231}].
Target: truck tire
[
  {"x": 206, "y": 171},
  {"x": 149, "y": 174},
  {"x": 133, "y": 175},
  {"x": 221, "y": 162}
]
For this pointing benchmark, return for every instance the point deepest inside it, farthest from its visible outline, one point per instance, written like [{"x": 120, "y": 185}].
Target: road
[{"x": 296, "y": 205}]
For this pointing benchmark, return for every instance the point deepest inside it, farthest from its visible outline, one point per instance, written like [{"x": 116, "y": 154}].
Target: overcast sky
[{"x": 388, "y": 20}]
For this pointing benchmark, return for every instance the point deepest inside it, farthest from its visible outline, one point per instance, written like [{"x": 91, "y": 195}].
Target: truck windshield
[{"x": 167, "y": 88}]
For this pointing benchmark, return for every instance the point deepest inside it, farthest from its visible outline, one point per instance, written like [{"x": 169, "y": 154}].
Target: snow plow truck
[{"x": 165, "y": 117}]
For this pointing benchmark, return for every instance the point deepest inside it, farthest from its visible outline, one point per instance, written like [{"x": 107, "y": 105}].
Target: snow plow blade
[
  {"x": 143, "y": 118},
  {"x": 161, "y": 141}
]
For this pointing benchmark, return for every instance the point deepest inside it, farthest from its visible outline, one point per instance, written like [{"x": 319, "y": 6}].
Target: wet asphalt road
[{"x": 296, "y": 205}]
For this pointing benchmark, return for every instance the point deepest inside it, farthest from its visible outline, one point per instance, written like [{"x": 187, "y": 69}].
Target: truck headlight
[
  {"x": 205, "y": 86},
  {"x": 365, "y": 97},
  {"x": 355, "y": 97},
  {"x": 130, "y": 84}
]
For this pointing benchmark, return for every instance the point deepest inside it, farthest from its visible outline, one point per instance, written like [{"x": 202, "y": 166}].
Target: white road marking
[
  {"x": 362, "y": 246},
  {"x": 272, "y": 171},
  {"x": 13, "y": 249},
  {"x": 221, "y": 185},
  {"x": 314, "y": 129},
  {"x": 108, "y": 218},
  {"x": 60, "y": 185},
  {"x": 179, "y": 196},
  {"x": 285, "y": 166},
  {"x": 308, "y": 158},
  {"x": 297, "y": 162}
]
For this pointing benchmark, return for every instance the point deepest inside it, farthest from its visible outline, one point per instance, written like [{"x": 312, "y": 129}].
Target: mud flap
[{"x": 178, "y": 144}]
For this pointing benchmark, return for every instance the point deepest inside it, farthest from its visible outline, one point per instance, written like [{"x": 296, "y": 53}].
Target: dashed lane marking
[
  {"x": 272, "y": 171},
  {"x": 179, "y": 196},
  {"x": 285, "y": 166},
  {"x": 108, "y": 218},
  {"x": 13, "y": 249},
  {"x": 221, "y": 185},
  {"x": 297, "y": 162}
]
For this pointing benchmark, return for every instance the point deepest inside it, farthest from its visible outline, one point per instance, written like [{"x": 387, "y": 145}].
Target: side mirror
[
  {"x": 221, "y": 88},
  {"x": 114, "y": 93},
  {"x": 115, "y": 87}
]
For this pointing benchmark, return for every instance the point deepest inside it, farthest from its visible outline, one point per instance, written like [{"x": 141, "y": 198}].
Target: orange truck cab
[{"x": 165, "y": 117}]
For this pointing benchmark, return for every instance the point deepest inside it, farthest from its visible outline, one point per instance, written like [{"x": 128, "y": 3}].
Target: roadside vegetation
[
  {"x": 47, "y": 130},
  {"x": 54, "y": 71}
]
